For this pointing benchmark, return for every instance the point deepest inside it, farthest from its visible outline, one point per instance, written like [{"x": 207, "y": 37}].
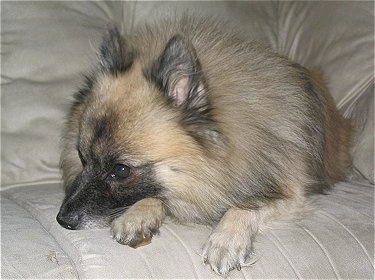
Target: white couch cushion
[
  {"x": 335, "y": 241},
  {"x": 27, "y": 247}
]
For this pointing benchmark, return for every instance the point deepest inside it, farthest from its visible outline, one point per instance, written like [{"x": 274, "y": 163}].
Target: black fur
[
  {"x": 83, "y": 92},
  {"x": 116, "y": 56},
  {"x": 105, "y": 197},
  {"x": 104, "y": 125},
  {"x": 99, "y": 142}
]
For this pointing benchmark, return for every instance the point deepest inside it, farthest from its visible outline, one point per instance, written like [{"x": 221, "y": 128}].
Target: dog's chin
[{"x": 93, "y": 223}]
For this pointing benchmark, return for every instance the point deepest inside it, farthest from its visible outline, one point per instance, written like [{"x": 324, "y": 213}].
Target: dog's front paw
[
  {"x": 224, "y": 251},
  {"x": 230, "y": 244},
  {"x": 139, "y": 223}
]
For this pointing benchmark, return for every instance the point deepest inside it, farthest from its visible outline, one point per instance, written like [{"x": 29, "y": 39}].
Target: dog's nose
[{"x": 68, "y": 221}]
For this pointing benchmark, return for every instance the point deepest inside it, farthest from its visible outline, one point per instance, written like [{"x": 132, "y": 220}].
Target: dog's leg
[
  {"x": 139, "y": 223},
  {"x": 230, "y": 244}
]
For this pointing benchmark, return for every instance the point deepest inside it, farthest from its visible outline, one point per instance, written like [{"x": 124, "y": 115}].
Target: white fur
[
  {"x": 230, "y": 245},
  {"x": 139, "y": 222}
]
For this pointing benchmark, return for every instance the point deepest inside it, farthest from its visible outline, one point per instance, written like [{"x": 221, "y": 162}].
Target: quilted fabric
[{"x": 335, "y": 241}]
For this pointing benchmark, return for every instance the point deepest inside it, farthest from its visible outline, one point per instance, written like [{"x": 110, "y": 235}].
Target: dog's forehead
[
  {"x": 129, "y": 115},
  {"x": 115, "y": 99},
  {"x": 125, "y": 86},
  {"x": 118, "y": 114}
]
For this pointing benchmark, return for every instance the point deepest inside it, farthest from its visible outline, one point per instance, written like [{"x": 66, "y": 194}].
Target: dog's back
[
  {"x": 338, "y": 135},
  {"x": 279, "y": 120}
]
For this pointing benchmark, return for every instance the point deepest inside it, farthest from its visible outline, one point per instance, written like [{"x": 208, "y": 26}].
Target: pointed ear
[
  {"x": 115, "y": 56},
  {"x": 178, "y": 73}
]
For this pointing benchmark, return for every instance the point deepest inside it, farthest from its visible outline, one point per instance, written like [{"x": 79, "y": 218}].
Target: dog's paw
[
  {"x": 224, "y": 251},
  {"x": 138, "y": 224}
]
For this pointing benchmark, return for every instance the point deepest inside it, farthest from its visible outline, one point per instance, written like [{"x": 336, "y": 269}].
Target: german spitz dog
[{"x": 189, "y": 119}]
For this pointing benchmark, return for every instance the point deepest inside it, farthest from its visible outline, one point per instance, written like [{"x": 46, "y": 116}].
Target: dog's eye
[{"x": 120, "y": 171}]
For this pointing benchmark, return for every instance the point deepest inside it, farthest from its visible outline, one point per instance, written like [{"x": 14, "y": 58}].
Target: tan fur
[
  {"x": 142, "y": 221},
  {"x": 69, "y": 160},
  {"x": 339, "y": 135},
  {"x": 278, "y": 137}
]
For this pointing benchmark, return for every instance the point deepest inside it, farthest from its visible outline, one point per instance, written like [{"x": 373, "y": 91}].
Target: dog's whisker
[{"x": 113, "y": 213}]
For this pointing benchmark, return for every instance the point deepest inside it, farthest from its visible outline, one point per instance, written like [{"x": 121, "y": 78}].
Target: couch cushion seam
[{"x": 71, "y": 261}]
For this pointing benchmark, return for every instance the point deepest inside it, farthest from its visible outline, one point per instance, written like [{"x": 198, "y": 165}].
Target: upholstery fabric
[{"x": 333, "y": 242}]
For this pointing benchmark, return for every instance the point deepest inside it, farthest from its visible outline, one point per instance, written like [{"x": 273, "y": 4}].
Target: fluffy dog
[{"x": 188, "y": 119}]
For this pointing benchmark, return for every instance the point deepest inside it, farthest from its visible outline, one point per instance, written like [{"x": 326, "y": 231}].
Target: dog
[{"x": 187, "y": 118}]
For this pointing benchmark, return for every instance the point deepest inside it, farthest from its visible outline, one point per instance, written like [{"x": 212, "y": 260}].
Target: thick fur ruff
[{"x": 188, "y": 119}]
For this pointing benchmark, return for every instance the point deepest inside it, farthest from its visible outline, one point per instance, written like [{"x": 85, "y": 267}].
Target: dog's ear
[
  {"x": 178, "y": 73},
  {"x": 115, "y": 55}
]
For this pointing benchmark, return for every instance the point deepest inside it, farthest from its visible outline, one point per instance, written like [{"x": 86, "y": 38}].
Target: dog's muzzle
[{"x": 67, "y": 220}]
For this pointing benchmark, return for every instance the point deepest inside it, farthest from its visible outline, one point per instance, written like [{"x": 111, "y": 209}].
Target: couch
[{"x": 45, "y": 46}]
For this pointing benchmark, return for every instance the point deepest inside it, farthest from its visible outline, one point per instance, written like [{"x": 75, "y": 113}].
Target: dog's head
[{"x": 137, "y": 127}]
